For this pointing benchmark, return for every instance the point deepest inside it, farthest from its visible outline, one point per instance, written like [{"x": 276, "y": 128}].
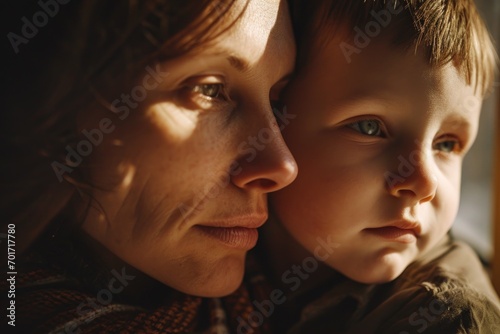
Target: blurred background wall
[{"x": 475, "y": 216}]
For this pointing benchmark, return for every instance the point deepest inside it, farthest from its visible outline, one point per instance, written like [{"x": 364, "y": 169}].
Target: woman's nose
[{"x": 265, "y": 164}]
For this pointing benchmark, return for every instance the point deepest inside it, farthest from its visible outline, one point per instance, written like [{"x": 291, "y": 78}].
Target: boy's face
[{"x": 379, "y": 142}]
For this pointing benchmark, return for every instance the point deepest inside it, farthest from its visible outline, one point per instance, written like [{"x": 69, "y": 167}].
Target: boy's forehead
[
  {"x": 378, "y": 58},
  {"x": 439, "y": 27},
  {"x": 384, "y": 72}
]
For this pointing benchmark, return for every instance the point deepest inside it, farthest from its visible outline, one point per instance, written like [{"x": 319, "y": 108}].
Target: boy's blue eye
[
  {"x": 447, "y": 146},
  {"x": 369, "y": 127}
]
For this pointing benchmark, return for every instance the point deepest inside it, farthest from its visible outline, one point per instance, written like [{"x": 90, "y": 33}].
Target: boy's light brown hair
[{"x": 449, "y": 30}]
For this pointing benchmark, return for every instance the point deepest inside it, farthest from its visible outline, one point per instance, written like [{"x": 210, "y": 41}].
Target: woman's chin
[
  {"x": 218, "y": 281},
  {"x": 219, "y": 288}
]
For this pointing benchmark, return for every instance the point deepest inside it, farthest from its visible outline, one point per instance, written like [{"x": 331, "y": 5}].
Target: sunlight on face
[
  {"x": 380, "y": 145},
  {"x": 179, "y": 124},
  {"x": 169, "y": 214}
]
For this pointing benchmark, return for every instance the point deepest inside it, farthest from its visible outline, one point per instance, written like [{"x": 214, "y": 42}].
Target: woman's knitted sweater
[{"x": 61, "y": 289}]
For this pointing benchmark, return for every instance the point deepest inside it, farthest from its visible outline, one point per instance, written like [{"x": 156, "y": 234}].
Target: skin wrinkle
[{"x": 177, "y": 134}]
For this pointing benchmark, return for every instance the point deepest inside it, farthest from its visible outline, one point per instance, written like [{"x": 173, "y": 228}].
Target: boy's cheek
[{"x": 447, "y": 211}]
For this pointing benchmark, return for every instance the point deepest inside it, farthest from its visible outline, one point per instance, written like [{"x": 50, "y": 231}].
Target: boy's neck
[{"x": 285, "y": 257}]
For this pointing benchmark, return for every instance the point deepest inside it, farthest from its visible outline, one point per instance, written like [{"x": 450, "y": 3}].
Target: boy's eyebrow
[
  {"x": 359, "y": 100},
  {"x": 458, "y": 120}
]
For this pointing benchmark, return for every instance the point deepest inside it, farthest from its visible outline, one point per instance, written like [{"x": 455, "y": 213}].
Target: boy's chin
[
  {"x": 377, "y": 273},
  {"x": 376, "y": 278}
]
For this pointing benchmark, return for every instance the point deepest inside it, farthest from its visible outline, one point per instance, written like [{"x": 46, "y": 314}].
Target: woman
[{"x": 146, "y": 152}]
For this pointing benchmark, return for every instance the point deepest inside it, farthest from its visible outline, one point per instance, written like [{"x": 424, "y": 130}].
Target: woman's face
[{"x": 185, "y": 163}]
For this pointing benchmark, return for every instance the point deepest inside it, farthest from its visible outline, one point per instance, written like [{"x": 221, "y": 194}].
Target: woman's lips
[
  {"x": 393, "y": 233},
  {"x": 235, "y": 237}
]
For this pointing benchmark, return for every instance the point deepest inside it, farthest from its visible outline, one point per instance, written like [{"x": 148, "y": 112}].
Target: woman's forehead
[{"x": 263, "y": 25}]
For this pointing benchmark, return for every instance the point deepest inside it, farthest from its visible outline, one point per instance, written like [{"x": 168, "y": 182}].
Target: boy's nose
[{"x": 415, "y": 177}]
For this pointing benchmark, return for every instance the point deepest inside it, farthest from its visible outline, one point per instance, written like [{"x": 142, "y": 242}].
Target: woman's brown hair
[{"x": 88, "y": 52}]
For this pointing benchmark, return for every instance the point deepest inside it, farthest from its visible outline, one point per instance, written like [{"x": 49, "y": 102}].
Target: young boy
[{"x": 387, "y": 100}]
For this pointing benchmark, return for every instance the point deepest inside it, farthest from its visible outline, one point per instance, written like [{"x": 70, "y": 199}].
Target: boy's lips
[
  {"x": 404, "y": 231},
  {"x": 406, "y": 224}
]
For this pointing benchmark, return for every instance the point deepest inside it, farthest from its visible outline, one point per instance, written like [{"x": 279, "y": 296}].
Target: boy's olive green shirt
[{"x": 446, "y": 291}]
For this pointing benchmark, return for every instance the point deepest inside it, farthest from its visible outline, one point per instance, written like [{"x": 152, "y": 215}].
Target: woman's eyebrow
[
  {"x": 241, "y": 64},
  {"x": 238, "y": 63}
]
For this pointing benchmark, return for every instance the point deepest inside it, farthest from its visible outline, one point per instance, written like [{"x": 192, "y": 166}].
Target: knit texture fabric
[{"x": 57, "y": 293}]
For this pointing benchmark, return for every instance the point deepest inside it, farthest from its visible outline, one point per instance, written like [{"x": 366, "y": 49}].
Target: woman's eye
[
  {"x": 207, "y": 93},
  {"x": 447, "y": 146},
  {"x": 212, "y": 91},
  {"x": 369, "y": 127}
]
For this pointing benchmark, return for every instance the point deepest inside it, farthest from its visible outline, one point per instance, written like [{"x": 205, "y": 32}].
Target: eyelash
[
  {"x": 357, "y": 126},
  {"x": 456, "y": 148},
  {"x": 457, "y": 145},
  {"x": 209, "y": 97},
  {"x": 220, "y": 93},
  {"x": 206, "y": 93}
]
